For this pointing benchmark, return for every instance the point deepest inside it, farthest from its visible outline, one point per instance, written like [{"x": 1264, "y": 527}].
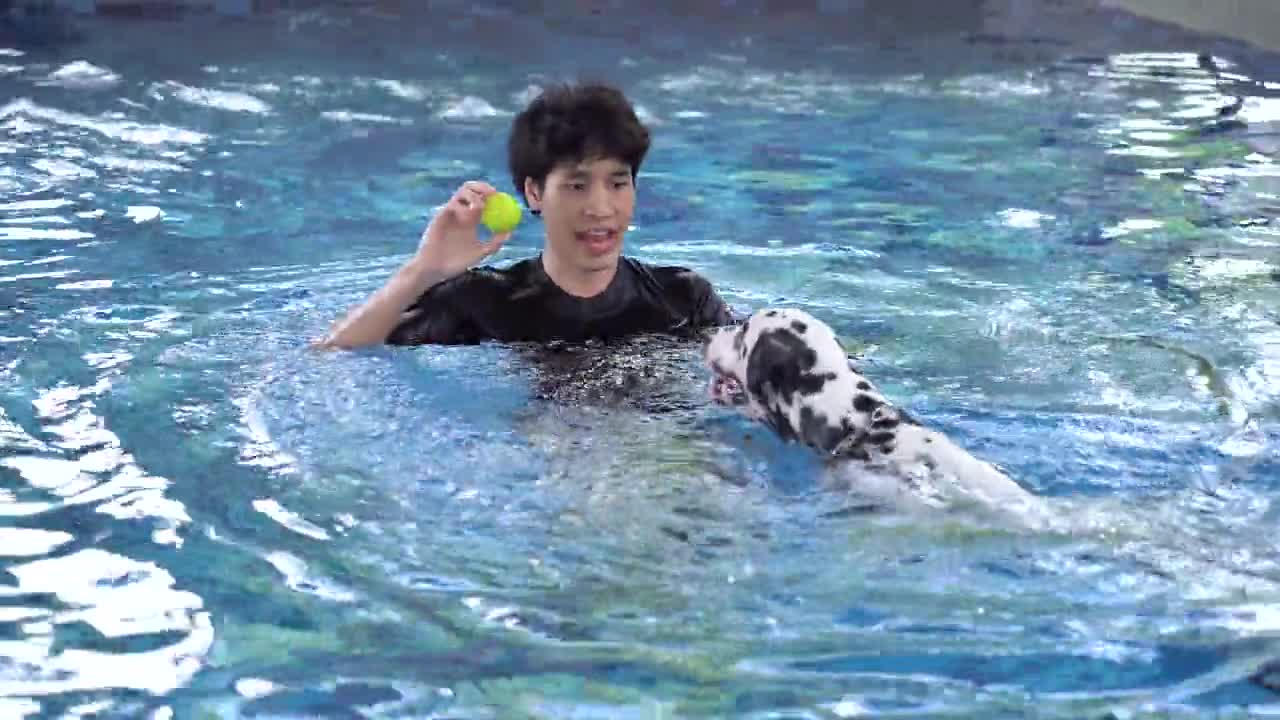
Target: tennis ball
[{"x": 501, "y": 213}]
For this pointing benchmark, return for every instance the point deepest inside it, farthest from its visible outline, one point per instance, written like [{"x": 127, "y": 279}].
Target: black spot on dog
[
  {"x": 799, "y": 327},
  {"x": 858, "y": 452},
  {"x": 771, "y": 313},
  {"x": 880, "y": 437},
  {"x": 864, "y": 385},
  {"x": 781, "y": 366},
  {"x": 864, "y": 403},
  {"x": 777, "y": 419},
  {"x": 817, "y": 430},
  {"x": 885, "y": 422},
  {"x": 852, "y": 442}
]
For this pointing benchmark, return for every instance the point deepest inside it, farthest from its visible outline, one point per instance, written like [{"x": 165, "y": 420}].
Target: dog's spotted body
[{"x": 786, "y": 368}]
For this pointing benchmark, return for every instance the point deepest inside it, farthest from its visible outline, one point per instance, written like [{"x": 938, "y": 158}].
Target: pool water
[{"x": 1050, "y": 243}]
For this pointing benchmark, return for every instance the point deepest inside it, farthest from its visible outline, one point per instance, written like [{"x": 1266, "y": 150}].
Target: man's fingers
[
  {"x": 476, "y": 190},
  {"x": 467, "y": 203},
  {"x": 480, "y": 186},
  {"x": 467, "y": 207},
  {"x": 470, "y": 198}
]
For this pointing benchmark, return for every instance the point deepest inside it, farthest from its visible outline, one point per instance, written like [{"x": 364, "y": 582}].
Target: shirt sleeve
[
  {"x": 710, "y": 310},
  {"x": 706, "y": 307},
  {"x": 439, "y": 316}
]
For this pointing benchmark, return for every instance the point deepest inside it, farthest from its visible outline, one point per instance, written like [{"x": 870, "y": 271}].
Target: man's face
[{"x": 586, "y": 209}]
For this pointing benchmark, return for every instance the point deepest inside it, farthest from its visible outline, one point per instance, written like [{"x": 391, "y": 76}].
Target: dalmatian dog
[{"x": 787, "y": 369}]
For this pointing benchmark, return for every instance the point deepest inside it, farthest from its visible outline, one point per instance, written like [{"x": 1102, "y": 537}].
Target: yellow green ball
[{"x": 501, "y": 213}]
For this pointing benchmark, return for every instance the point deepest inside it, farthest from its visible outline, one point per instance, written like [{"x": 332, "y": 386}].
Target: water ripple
[
  {"x": 228, "y": 100},
  {"x": 82, "y": 75},
  {"x": 118, "y": 598},
  {"x": 124, "y": 131},
  {"x": 1067, "y": 262},
  {"x": 92, "y": 468}
]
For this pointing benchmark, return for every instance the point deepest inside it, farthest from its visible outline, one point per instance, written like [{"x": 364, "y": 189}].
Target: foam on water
[
  {"x": 228, "y": 100},
  {"x": 469, "y": 108},
  {"x": 113, "y": 128},
  {"x": 81, "y": 75}
]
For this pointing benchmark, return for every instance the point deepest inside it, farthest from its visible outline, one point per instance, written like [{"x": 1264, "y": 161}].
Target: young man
[{"x": 574, "y": 155}]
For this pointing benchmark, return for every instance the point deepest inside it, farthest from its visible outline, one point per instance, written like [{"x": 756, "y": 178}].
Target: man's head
[{"x": 574, "y": 154}]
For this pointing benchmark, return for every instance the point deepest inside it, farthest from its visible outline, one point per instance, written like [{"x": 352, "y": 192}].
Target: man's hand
[{"x": 451, "y": 243}]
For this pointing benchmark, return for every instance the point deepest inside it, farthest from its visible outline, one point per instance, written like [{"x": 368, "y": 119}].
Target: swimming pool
[{"x": 1049, "y": 244}]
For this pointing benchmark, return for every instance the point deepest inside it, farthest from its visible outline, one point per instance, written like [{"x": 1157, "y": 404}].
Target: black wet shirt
[{"x": 520, "y": 303}]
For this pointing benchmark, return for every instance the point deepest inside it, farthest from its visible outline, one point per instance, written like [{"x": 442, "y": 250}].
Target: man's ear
[{"x": 533, "y": 195}]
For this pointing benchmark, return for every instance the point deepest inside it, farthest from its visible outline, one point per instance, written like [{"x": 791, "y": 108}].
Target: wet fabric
[{"x": 520, "y": 303}]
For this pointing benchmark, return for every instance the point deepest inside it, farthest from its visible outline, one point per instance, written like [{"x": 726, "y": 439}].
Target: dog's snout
[{"x": 707, "y": 334}]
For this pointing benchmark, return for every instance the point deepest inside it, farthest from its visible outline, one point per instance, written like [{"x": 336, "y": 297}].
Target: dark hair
[{"x": 572, "y": 123}]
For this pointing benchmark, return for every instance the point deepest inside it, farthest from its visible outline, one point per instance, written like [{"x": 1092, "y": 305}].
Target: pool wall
[{"x": 1253, "y": 21}]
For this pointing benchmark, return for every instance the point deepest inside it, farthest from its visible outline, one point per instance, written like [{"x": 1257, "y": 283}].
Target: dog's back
[{"x": 926, "y": 469}]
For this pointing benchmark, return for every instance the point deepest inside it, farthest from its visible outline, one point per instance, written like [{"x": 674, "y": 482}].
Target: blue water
[{"x": 1034, "y": 226}]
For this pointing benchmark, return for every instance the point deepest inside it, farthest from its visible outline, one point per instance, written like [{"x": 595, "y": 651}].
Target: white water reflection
[
  {"x": 30, "y": 542},
  {"x": 83, "y": 464},
  {"x": 73, "y": 461},
  {"x": 80, "y": 463},
  {"x": 21, "y": 233},
  {"x": 125, "y": 131},
  {"x": 118, "y": 598},
  {"x": 216, "y": 99},
  {"x": 83, "y": 75}
]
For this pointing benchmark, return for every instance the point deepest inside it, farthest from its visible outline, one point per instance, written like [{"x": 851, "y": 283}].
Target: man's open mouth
[{"x": 598, "y": 240}]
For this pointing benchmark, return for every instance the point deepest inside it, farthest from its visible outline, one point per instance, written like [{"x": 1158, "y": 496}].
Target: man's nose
[{"x": 599, "y": 204}]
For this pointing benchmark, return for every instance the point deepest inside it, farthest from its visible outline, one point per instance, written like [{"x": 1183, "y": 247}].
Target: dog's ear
[{"x": 771, "y": 370}]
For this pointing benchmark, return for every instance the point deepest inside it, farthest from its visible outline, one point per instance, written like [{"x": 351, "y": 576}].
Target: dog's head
[{"x": 788, "y": 369}]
